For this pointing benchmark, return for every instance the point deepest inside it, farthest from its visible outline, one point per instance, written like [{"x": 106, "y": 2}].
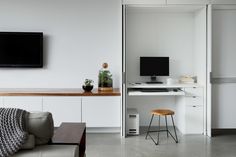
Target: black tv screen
[
  {"x": 21, "y": 49},
  {"x": 154, "y": 66}
]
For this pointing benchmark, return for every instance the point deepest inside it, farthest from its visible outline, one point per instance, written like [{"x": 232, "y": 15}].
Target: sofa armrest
[{"x": 71, "y": 134}]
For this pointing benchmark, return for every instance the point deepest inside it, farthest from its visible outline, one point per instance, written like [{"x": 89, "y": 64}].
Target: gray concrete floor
[{"x": 112, "y": 145}]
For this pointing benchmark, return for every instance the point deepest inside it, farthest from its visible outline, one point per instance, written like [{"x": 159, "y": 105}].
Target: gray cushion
[
  {"x": 50, "y": 151},
  {"x": 29, "y": 143},
  {"x": 40, "y": 124}
]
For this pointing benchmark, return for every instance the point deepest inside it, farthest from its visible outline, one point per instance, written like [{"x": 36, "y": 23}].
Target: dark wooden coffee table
[{"x": 71, "y": 134}]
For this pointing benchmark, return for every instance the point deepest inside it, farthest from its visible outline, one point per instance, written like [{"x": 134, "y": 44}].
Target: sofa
[{"x": 39, "y": 143}]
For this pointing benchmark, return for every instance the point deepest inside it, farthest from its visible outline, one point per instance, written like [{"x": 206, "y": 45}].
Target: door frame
[
  {"x": 209, "y": 70},
  {"x": 124, "y": 76}
]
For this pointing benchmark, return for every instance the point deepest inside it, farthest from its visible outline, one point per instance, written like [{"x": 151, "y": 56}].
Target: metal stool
[{"x": 162, "y": 112}]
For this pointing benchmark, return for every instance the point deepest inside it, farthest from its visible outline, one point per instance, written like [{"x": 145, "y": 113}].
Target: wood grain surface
[{"x": 56, "y": 92}]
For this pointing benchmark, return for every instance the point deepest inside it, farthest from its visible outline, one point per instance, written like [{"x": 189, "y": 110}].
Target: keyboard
[
  {"x": 154, "y": 82},
  {"x": 154, "y": 90}
]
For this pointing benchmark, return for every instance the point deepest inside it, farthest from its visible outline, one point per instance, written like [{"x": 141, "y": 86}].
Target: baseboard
[
  {"x": 100, "y": 129},
  {"x": 228, "y": 131},
  {"x": 103, "y": 129}
]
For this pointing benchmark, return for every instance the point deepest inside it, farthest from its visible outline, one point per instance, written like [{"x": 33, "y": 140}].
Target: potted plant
[
  {"x": 105, "y": 78},
  {"x": 88, "y": 86}
]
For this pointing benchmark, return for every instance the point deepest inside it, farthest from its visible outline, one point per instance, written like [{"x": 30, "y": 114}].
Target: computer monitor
[{"x": 154, "y": 66}]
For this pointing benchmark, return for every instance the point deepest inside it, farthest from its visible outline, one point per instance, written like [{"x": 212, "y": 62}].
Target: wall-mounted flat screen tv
[{"x": 21, "y": 49}]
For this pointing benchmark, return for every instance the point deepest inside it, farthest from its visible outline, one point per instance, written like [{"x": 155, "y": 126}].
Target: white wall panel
[
  {"x": 224, "y": 37},
  {"x": 223, "y": 66},
  {"x": 223, "y": 106}
]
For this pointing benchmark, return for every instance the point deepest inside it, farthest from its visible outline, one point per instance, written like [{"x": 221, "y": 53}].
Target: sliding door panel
[{"x": 223, "y": 67}]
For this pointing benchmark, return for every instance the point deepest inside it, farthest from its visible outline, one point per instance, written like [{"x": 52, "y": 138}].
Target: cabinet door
[
  {"x": 63, "y": 109},
  {"x": 188, "y": 1},
  {"x": 1, "y": 102},
  {"x": 223, "y": 1},
  {"x": 194, "y": 101},
  {"x": 101, "y": 111},
  {"x": 28, "y": 103},
  {"x": 144, "y": 1},
  {"x": 194, "y": 91},
  {"x": 194, "y": 119}
]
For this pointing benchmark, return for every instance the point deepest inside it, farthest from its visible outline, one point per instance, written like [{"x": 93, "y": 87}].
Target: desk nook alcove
[{"x": 179, "y": 34}]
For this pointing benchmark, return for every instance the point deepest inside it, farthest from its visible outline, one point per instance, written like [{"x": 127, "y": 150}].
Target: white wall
[
  {"x": 79, "y": 36},
  {"x": 199, "y": 55},
  {"x": 154, "y": 33}
]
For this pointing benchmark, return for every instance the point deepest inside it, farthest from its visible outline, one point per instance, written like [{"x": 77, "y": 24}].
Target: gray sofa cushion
[
  {"x": 50, "y": 151},
  {"x": 29, "y": 143},
  {"x": 40, "y": 124}
]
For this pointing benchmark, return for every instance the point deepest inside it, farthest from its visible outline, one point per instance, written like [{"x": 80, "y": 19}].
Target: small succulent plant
[{"x": 88, "y": 82}]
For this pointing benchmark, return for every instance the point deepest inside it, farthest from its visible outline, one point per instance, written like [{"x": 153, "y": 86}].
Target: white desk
[
  {"x": 189, "y": 103},
  {"x": 133, "y": 89}
]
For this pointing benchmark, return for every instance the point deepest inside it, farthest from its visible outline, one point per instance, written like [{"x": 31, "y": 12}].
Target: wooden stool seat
[{"x": 163, "y": 112}]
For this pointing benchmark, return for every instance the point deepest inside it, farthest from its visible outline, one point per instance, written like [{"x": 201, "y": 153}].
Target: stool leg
[
  {"x": 176, "y": 140},
  {"x": 159, "y": 128},
  {"x": 166, "y": 127},
  {"x": 149, "y": 126}
]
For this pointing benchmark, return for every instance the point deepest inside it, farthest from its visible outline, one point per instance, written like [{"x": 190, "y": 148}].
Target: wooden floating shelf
[{"x": 56, "y": 92}]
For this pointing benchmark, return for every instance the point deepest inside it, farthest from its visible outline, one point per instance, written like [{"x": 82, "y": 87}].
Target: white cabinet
[
  {"x": 101, "y": 111},
  {"x": 63, "y": 109},
  {"x": 194, "y": 113},
  {"x": 223, "y": 1},
  {"x": 194, "y": 119},
  {"x": 1, "y": 102},
  {"x": 29, "y": 103},
  {"x": 144, "y": 1},
  {"x": 188, "y": 1},
  {"x": 190, "y": 111}
]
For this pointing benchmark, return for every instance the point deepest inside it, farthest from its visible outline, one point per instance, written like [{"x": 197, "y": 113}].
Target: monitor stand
[{"x": 154, "y": 80}]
